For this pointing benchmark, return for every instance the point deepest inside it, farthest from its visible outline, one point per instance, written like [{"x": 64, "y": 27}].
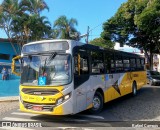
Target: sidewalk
[{"x": 9, "y": 99}]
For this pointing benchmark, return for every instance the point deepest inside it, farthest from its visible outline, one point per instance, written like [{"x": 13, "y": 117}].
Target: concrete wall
[{"x": 9, "y": 87}]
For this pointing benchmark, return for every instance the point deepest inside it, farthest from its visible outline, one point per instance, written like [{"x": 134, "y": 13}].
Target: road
[{"x": 143, "y": 107}]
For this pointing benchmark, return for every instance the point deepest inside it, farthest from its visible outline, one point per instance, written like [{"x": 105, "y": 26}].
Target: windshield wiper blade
[
  {"x": 49, "y": 60},
  {"x": 52, "y": 57}
]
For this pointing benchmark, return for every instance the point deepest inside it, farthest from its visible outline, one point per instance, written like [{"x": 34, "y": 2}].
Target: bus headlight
[
  {"x": 63, "y": 99},
  {"x": 66, "y": 97},
  {"x": 59, "y": 101}
]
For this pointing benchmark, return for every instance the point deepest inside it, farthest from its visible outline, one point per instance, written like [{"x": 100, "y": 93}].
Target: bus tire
[
  {"x": 134, "y": 89},
  {"x": 97, "y": 103}
]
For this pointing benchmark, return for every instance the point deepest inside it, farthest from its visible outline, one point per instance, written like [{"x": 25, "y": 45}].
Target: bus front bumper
[{"x": 63, "y": 106}]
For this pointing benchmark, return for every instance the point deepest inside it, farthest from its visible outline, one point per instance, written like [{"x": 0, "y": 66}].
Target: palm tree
[
  {"x": 40, "y": 27},
  {"x": 9, "y": 8},
  {"x": 35, "y": 6},
  {"x": 20, "y": 28},
  {"x": 22, "y": 25},
  {"x": 30, "y": 28},
  {"x": 65, "y": 28}
]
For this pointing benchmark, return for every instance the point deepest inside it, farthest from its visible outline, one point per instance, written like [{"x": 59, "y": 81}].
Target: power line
[
  {"x": 95, "y": 35},
  {"x": 95, "y": 27},
  {"x": 88, "y": 31},
  {"x": 91, "y": 30}
]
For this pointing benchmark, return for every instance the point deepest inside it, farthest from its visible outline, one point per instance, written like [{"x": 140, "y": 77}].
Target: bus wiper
[
  {"x": 52, "y": 57},
  {"x": 49, "y": 61}
]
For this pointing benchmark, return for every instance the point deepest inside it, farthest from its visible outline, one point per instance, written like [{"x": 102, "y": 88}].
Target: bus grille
[
  {"x": 45, "y": 107},
  {"x": 41, "y": 92}
]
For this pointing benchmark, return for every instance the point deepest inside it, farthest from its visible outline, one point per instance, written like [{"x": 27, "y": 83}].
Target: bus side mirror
[
  {"x": 79, "y": 64},
  {"x": 13, "y": 67}
]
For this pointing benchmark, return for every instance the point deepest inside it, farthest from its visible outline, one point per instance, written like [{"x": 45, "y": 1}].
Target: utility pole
[{"x": 87, "y": 35}]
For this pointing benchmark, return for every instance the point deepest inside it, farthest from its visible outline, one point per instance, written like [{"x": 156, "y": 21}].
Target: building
[{"x": 6, "y": 54}]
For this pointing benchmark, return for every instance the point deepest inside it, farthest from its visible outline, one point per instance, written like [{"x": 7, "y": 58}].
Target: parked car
[{"x": 153, "y": 77}]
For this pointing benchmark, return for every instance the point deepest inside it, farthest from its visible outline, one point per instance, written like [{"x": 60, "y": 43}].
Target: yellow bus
[{"x": 60, "y": 77}]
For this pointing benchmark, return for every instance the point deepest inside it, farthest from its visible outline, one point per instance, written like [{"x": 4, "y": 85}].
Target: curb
[{"x": 9, "y": 99}]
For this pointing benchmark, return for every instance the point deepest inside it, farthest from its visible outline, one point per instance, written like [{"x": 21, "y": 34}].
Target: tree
[
  {"x": 30, "y": 28},
  {"x": 150, "y": 17},
  {"x": 22, "y": 21},
  {"x": 9, "y": 8},
  {"x": 64, "y": 28},
  {"x": 35, "y": 6},
  {"x": 40, "y": 27},
  {"x": 102, "y": 43},
  {"x": 131, "y": 25}
]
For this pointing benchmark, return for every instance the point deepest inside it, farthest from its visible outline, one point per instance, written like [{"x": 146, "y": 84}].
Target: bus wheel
[
  {"x": 134, "y": 89},
  {"x": 97, "y": 103}
]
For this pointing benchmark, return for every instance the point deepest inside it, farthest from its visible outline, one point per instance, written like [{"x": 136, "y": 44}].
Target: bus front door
[{"x": 81, "y": 80}]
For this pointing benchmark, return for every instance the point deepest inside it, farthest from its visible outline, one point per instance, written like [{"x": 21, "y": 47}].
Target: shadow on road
[{"x": 143, "y": 107}]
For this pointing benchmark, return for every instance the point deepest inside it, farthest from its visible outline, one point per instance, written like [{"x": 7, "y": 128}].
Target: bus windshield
[{"x": 56, "y": 68}]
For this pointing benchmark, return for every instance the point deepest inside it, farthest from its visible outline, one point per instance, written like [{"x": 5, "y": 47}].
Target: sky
[
  {"x": 127, "y": 48},
  {"x": 92, "y": 13}
]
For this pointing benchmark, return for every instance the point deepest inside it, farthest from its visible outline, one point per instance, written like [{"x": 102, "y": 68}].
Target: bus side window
[
  {"x": 109, "y": 63},
  {"x": 138, "y": 64},
  {"x": 119, "y": 63},
  {"x": 97, "y": 62},
  {"x": 83, "y": 65},
  {"x": 133, "y": 64},
  {"x": 126, "y": 64},
  {"x": 142, "y": 64}
]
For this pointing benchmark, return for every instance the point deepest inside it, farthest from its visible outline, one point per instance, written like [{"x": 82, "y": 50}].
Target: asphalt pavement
[{"x": 134, "y": 112}]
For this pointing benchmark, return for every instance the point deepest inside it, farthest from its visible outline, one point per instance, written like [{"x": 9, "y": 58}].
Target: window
[
  {"x": 113, "y": 66},
  {"x": 119, "y": 64},
  {"x": 132, "y": 64},
  {"x": 142, "y": 64},
  {"x": 4, "y": 56},
  {"x": 57, "y": 70},
  {"x": 97, "y": 62},
  {"x": 83, "y": 64},
  {"x": 126, "y": 64},
  {"x": 138, "y": 64},
  {"x": 109, "y": 63}
]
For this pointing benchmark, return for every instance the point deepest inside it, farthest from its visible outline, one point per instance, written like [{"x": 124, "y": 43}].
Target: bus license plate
[{"x": 37, "y": 108}]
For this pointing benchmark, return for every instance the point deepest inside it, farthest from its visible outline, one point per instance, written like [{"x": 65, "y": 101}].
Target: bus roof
[
  {"x": 43, "y": 41},
  {"x": 98, "y": 48},
  {"x": 88, "y": 46}
]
